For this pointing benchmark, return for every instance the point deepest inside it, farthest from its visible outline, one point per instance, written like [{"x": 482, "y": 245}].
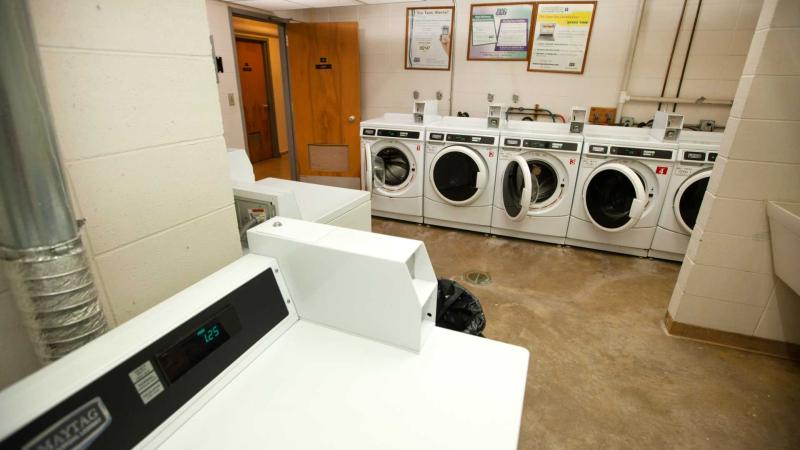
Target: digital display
[{"x": 195, "y": 347}]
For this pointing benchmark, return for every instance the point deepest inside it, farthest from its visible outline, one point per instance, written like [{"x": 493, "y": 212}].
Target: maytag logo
[{"x": 76, "y": 430}]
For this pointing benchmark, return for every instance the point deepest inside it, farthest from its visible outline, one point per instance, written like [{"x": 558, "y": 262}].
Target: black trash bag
[{"x": 457, "y": 309}]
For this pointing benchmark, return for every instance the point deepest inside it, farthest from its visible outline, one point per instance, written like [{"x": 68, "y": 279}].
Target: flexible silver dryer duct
[{"x": 40, "y": 247}]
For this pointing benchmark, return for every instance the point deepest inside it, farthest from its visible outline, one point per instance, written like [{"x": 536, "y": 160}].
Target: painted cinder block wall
[
  {"x": 719, "y": 49},
  {"x": 135, "y": 104},
  {"x": 727, "y": 281}
]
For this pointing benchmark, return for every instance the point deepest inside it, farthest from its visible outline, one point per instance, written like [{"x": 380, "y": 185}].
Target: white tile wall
[
  {"x": 727, "y": 282},
  {"x": 779, "y": 321},
  {"x": 140, "y": 275},
  {"x": 135, "y": 105},
  {"x": 135, "y": 203}
]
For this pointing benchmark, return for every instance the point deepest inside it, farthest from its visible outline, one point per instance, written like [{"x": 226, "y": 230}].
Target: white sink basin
[{"x": 784, "y": 225}]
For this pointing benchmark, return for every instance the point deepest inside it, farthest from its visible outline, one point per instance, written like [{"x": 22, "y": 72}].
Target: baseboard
[{"x": 755, "y": 344}]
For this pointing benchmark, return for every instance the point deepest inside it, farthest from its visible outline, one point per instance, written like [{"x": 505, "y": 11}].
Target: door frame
[
  {"x": 273, "y": 126},
  {"x": 287, "y": 94}
]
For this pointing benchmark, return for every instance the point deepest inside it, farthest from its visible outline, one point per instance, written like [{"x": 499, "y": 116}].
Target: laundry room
[{"x": 369, "y": 224}]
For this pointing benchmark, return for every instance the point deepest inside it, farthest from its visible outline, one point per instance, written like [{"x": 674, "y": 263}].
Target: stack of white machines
[
  {"x": 635, "y": 191},
  {"x": 321, "y": 337}
]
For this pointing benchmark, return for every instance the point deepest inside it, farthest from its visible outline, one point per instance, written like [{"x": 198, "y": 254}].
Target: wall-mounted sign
[
  {"x": 499, "y": 31},
  {"x": 428, "y": 37},
  {"x": 560, "y": 36}
]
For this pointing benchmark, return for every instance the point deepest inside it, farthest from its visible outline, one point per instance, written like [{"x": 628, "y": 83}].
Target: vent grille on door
[{"x": 328, "y": 158}]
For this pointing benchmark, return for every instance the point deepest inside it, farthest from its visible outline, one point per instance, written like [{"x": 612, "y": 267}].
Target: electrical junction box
[
  {"x": 667, "y": 126},
  {"x": 425, "y": 108},
  {"x": 577, "y": 119},
  {"x": 494, "y": 115}
]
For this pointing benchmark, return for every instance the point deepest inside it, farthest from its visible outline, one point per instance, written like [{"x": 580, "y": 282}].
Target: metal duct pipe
[{"x": 40, "y": 246}]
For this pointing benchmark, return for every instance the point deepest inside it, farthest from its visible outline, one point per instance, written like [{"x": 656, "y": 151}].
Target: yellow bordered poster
[{"x": 560, "y": 36}]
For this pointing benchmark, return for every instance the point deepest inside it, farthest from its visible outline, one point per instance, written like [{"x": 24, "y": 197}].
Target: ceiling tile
[
  {"x": 381, "y": 2},
  {"x": 272, "y": 5}
]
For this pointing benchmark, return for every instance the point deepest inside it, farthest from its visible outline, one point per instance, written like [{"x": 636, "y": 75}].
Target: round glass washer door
[
  {"x": 519, "y": 187},
  {"x": 393, "y": 166},
  {"x": 458, "y": 175},
  {"x": 689, "y": 198},
  {"x": 614, "y": 197}
]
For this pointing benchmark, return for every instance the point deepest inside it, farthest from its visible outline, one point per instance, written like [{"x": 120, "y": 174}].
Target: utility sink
[{"x": 784, "y": 225}]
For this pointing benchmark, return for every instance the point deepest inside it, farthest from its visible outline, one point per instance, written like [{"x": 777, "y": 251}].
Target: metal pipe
[
  {"x": 672, "y": 53},
  {"x": 692, "y": 101},
  {"x": 688, "y": 51},
  {"x": 626, "y": 78},
  {"x": 40, "y": 247}
]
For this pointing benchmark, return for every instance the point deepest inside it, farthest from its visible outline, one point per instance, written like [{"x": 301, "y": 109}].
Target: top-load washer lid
[
  {"x": 315, "y": 202},
  {"x": 458, "y": 174},
  {"x": 614, "y": 197}
]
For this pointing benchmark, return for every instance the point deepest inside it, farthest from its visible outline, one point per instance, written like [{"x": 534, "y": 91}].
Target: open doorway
[{"x": 261, "y": 81}]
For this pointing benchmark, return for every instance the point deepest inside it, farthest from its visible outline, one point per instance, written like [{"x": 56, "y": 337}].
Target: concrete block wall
[
  {"x": 727, "y": 281},
  {"x": 724, "y": 30},
  {"x": 135, "y": 103}
]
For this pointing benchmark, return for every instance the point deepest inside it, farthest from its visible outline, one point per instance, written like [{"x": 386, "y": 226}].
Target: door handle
[{"x": 351, "y": 119}]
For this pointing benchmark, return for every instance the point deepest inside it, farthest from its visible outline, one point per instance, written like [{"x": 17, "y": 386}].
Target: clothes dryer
[
  {"x": 535, "y": 182},
  {"x": 697, "y": 151},
  {"x": 393, "y": 163},
  {"x": 622, "y": 182},
  {"x": 460, "y": 161}
]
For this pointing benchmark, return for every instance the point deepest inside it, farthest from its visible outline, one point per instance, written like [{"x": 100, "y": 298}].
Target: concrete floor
[{"x": 603, "y": 374}]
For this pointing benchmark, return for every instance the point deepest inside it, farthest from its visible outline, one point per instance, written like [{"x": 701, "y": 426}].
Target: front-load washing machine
[
  {"x": 697, "y": 151},
  {"x": 622, "y": 182},
  {"x": 536, "y": 172},
  {"x": 393, "y": 165},
  {"x": 460, "y": 161}
]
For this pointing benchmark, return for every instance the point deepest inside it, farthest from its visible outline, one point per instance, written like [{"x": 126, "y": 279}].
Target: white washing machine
[
  {"x": 697, "y": 151},
  {"x": 393, "y": 164},
  {"x": 535, "y": 182},
  {"x": 622, "y": 182},
  {"x": 460, "y": 162}
]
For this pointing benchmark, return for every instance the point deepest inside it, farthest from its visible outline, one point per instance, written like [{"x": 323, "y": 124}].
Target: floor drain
[{"x": 477, "y": 277}]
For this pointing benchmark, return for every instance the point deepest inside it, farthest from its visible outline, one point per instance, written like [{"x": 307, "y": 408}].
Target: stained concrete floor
[{"x": 602, "y": 372}]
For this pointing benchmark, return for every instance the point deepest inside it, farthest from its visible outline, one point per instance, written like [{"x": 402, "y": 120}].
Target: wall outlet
[
  {"x": 627, "y": 121},
  {"x": 231, "y": 100},
  {"x": 707, "y": 125},
  {"x": 602, "y": 116}
]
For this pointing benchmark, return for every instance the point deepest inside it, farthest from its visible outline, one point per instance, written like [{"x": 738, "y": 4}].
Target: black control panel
[
  {"x": 641, "y": 152},
  {"x": 598, "y": 149},
  {"x": 470, "y": 139},
  {"x": 694, "y": 156},
  {"x": 550, "y": 145},
  {"x": 436, "y": 137},
  {"x": 124, "y": 405},
  {"x": 368, "y": 132},
  {"x": 712, "y": 156},
  {"x": 511, "y": 142},
  {"x": 399, "y": 134}
]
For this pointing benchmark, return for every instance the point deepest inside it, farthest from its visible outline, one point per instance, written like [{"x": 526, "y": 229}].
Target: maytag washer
[
  {"x": 622, "y": 182},
  {"x": 460, "y": 161},
  {"x": 535, "y": 181},
  {"x": 322, "y": 337},
  {"x": 697, "y": 152},
  {"x": 393, "y": 164}
]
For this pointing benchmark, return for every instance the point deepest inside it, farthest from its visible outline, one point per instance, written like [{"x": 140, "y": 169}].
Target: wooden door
[
  {"x": 326, "y": 101},
  {"x": 255, "y": 98}
]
